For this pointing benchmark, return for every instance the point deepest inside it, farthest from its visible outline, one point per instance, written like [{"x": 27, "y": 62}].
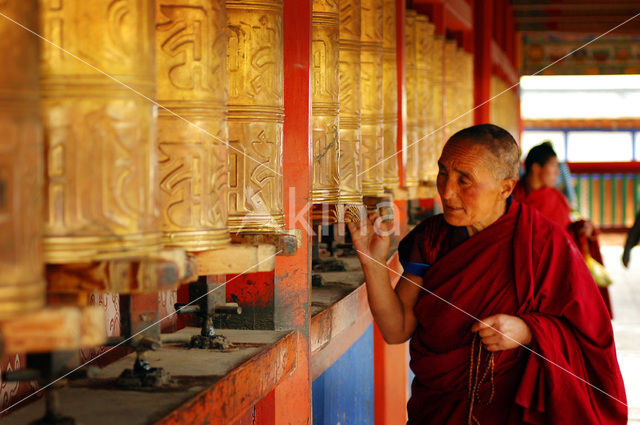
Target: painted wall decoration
[{"x": 609, "y": 55}]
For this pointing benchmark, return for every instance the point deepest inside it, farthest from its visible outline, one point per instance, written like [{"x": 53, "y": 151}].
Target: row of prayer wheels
[
  {"x": 139, "y": 125},
  {"x": 135, "y": 126},
  {"x": 505, "y": 106},
  {"x": 439, "y": 82},
  {"x": 354, "y": 100}
]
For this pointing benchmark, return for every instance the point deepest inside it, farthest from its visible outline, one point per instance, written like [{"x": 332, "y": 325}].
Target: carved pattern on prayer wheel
[
  {"x": 422, "y": 87},
  {"x": 22, "y": 287},
  {"x": 371, "y": 87},
  {"x": 424, "y": 43},
  {"x": 101, "y": 164},
  {"x": 256, "y": 113},
  {"x": 411, "y": 79},
  {"x": 468, "y": 89},
  {"x": 450, "y": 87},
  {"x": 191, "y": 50},
  {"x": 325, "y": 106},
  {"x": 437, "y": 82},
  {"x": 504, "y": 108},
  {"x": 390, "y": 82},
  {"x": 350, "y": 96}
]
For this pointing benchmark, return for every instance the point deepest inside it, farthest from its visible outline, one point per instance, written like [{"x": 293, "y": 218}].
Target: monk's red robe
[
  {"x": 554, "y": 205},
  {"x": 521, "y": 265}
]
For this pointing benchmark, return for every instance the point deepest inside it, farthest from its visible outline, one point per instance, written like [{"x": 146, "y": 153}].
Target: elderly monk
[
  {"x": 537, "y": 190},
  {"x": 505, "y": 321}
]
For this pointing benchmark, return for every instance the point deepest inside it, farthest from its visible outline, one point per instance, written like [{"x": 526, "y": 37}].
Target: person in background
[
  {"x": 633, "y": 237},
  {"x": 537, "y": 189}
]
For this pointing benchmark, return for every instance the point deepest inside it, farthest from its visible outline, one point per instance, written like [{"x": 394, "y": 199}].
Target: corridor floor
[{"x": 625, "y": 297}]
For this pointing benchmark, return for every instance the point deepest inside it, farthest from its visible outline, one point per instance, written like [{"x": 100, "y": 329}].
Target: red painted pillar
[
  {"x": 483, "y": 25},
  {"x": 292, "y": 397},
  {"x": 391, "y": 371}
]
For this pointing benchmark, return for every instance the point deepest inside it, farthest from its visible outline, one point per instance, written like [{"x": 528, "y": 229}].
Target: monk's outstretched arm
[{"x": 392, "y": 310}]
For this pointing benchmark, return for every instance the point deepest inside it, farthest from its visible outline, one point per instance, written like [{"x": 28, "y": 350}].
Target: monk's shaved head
[{"x": 497, "y": 141}]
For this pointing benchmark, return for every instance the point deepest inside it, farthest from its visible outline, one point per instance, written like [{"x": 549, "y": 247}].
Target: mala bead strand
[{"x": 476, "y": 380}]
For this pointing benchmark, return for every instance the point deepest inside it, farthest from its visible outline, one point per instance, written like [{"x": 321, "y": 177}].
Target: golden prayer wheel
[
  {"x": 412, "y": 153},
  {"x": 22, "y": 287},
  {"x": 371, "y": 87},
  {"x": 424, "y": 46},
  {"x": 390, "y": 83},
  {"x": 256, "y": 113},
  {"x": 191, "y": 49},
  {"x": 468, "y": 89},
  {"x": 503, "y": 108},
  {"x": 462, "y": 89},
  {"x": 437, "y": 82},
  {"x": 350, "y": 136},
  {"x": 100, "y": 138},
  {"x": 325, "y": 106},
  {"x": 450, "y": 87}
]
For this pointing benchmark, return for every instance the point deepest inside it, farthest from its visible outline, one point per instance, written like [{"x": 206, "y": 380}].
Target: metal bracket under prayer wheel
[{"x": 207, "y": 299}]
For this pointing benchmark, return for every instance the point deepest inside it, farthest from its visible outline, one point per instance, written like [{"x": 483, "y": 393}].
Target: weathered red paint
[
  {"x": 336, "y": 328},
  {"x": 426, "y": 204},
  {"x": 251, "y": 288},
  {"x": 292, "y": 398},
  {"x": 390, "y": 369},
  {"x": 604, "y": 167}
]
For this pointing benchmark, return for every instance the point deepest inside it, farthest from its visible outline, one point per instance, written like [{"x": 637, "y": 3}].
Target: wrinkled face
[
  {"x": 471, "y": 194},
  {"x": 549, "y": 172}
]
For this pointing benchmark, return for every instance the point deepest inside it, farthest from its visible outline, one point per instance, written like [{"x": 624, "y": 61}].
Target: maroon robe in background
[
  {"x": 521, "y": 265},
  {"x": 549, "y": 201},
  {"x": 554, "y": 205}
]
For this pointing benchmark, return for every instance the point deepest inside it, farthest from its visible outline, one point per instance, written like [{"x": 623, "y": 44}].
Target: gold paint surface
[
  {"x": 325, "y": 119},
  {"x": 191, "y": 47},
  {"x": 390, "y": 87},
  {"x": 424, "y": 48},
  {"x": 350, "y": 166},
  {"x": 451, "y": 84},
  {"x": 22, "y": 287},
  {"x": 412, "y": 153},
  {"x": 100, "y": 141},
  {"x": 371, "y": 87},
  {"x": 437, "y": 76},
  {"x": 256, "y": 113},
  {"x": 504, "y": 109},
  {"x": 469, "y": 88}
]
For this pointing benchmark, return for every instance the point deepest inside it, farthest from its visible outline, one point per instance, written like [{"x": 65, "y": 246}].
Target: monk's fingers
[
  {"x": 487, "y": 322},
  {"x": 486, "y": 332},
  {"x": 493, "y": 338}
]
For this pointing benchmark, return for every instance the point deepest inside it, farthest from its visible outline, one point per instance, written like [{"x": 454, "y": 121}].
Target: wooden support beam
[
  {"x": 166, "y": 270},
  {"x": 53, "y": 329},
  {"x": 237, "y": 258}
]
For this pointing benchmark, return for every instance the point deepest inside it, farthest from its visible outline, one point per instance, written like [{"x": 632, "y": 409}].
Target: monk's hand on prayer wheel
[
  {"x": 502, "y": 332},
  {"x": 371, "y": 238}
]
